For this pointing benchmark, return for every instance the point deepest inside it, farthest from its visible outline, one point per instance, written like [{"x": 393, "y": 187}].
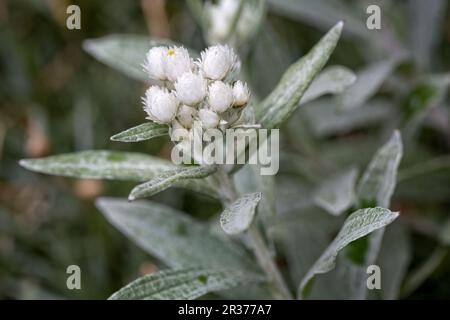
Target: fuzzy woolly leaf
[
  {"x": 284, "y": 99},
  {"x": 378, "y": 181},
  {"x": 357, "y": 225},
  {"x": 141, "y": 132},
  {"x": 111, "y": 165},
  {"x": 238, "y": 216},
  {"x": 183, "y": 284},
  {"x": 168, "y": 178}
]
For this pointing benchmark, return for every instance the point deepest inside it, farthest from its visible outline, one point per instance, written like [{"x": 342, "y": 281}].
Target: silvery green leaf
[
  {"x": 284, "y": 99},
  {"x": 357, "y": 225},
  {"x": 338, "y": 193},
  {"x": 168, "y": 178},
  {"x": 100, "y": 164},
  {"x": 183, "y": 284},
  {"x": 326, "y": 118},
  {"x": 426, "y": 26},
  {"x": 173, "y": 236},
  {"x": 426, "y": 94},
  {"x": 141, "y": 132},
  {"x": 238, "y": 217},
  {"x": 111, "y": 165},
  {"x": 124, "y": 52},
  {"x": 377, "y": 184},
  {"x": 334, "y": 79},
  {"x": 369, "y": 80}
]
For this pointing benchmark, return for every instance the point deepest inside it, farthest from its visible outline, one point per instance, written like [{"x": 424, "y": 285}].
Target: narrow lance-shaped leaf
[
  {"x": 112, "y": 165},
  {"x": 141, "y": 132},
  {"x": 239, "y": 215},
  {"x": 338, "y": 193},
  {"x": 357, "y": 225},
  {"x": 168, "y": 178},
  {"x": 284, "y": 99},
  {"x": 184, "y": 284},
  {"x": 378, "y": 182},
  {"x": 332, "y": 80}
]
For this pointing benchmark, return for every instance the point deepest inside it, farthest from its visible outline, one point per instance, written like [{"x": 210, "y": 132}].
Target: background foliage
[{"x": 56, "y": 98}]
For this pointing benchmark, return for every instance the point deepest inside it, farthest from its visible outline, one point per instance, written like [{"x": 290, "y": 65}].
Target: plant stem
[{"x": 262, "y": 253}]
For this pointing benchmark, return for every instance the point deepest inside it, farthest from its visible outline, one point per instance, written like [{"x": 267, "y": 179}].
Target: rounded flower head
[
  {"x": 220, "y": 96},
  {"x": 160, "y": 105},
  {"x": 186, "y": 116},
  {"x": 190, "y": 88},
  {"x": 241, "y": 94},
  {"x": 176, "y": 62},
  {"x": 209, "y": 118},
  {"x": 154, "y": 63},
  {"x": 217, "y": 62}
]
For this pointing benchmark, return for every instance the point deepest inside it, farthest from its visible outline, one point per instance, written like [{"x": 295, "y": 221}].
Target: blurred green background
[{"x": 55, "y": 98}]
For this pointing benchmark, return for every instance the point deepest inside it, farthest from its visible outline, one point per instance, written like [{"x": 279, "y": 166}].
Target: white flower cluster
[{"x": 204, "y": 90}]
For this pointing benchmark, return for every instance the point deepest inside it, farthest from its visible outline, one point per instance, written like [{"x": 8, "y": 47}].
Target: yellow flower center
[{"x": 171, "y": 52}]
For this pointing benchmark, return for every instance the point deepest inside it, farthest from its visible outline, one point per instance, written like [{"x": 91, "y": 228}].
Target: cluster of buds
[{"x": 204, "y": 90}]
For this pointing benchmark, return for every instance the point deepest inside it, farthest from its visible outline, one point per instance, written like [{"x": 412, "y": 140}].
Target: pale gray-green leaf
[
  {"x": 183, "y": 284},
  {"x": 332, "y": 80},
  {"x": 377, "y": 184},
  {"x": 238, "y": 217},
  {"x": 369, "y": 80},
  {"x": 168, "y": 178},
  {"x": 112, "y": 165},
  {"x": 141, "y": 132},
  {"x": 338, "y": 193},
  {"x": 357, "y": 225},
  {"x": 173, "y": 236},
  {"x": 284, "y": 99}
]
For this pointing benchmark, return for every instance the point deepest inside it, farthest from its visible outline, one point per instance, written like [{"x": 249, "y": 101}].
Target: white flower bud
[
  {"x": 241, "y": 94},
  {"x": 209, "y": 118},
  {"x": 186, "y": 116},
  {"x": 220, "y": 96},
  {"x": 190, "y": 88},
  {"x": 160, "y": 105},
  {"x": 217, "y": 62},
  {"x": 177, "y": 62},
  {"x": 154, "y": 63}
]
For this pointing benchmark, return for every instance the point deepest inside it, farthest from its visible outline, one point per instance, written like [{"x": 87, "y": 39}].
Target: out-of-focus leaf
[
  {"x": 444, "y": 236},
  {"x": 369, "y": 80},
  {"x": 393, "y": 260},
  {"x": 141, "y": 132},
  {"x": 183, "y": 284},
  {"x": 326, "y": 118},
  {"x": 338, "y": 193},
  {"x": 168, "y": 178},
  {"x": 427, "y": 94},
  {"x": 238, "y": 217},
  {"x": 426, "y": 26},
  {"x": 334, "y": 79},
  {"x": 378, "y": 181},
  {"x": 284, "y": 99},
  {"x": 111, "y": 165},
  {"x": 124, "y": 52},
  {"x": 358, "y": 224},
  {"x": 172, "y": 236}
]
